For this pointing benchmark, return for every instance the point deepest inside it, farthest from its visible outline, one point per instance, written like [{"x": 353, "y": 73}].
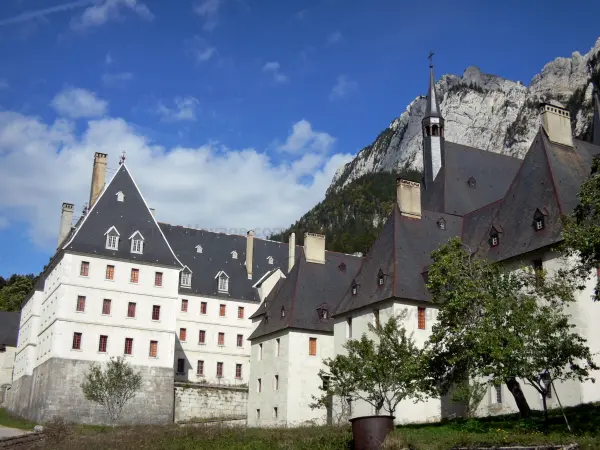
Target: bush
[{"x": 57, "y": 430}]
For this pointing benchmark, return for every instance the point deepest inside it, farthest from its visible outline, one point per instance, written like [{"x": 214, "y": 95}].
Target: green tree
[
  {"x": 469, "y": 394},
  {"x": 112, "y": 387},
  {"x": 382, "y": 371},
  {"x": 15, "y": 290},
  {"x": 501, "y": 325}
]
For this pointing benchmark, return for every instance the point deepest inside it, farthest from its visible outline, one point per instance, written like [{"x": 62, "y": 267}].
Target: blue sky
[{"x": 233, "y": 113}]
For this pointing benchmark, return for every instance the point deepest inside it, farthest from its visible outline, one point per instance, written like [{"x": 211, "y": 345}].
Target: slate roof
[
  {"x": 216, "y": 256},
  {"x": 9, "y": 328},
  {"x": 432, "y": 108},
  {"x": 307, "y": 287},
  {"x": 127, "y": 217},
  {"x": 402, "y": 252}
]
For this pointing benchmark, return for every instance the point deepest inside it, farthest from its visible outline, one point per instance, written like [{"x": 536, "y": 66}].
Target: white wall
[
  {"x": 28, "y": 336},
  {"x": 7, "y": 360}
]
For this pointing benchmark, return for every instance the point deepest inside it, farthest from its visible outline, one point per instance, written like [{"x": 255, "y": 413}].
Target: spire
[
  {"x": 596, "y": 120},
  {"x": 433, "y": 108}
]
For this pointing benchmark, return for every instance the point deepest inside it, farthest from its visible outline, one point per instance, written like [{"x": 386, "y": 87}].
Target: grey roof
[
  {"x": 9, "y": 328},
  {"x": 216, "y": 256},
  {"x": 451, "y": 192},
  {"x": 127, "y": 217},
  {"x": 402, "y": 253},
  {"x": 432, "y": 109},
  {"x": 307, "y": 287}
]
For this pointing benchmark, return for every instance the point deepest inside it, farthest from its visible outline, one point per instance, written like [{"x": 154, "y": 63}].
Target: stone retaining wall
[{"x": 198, "y": 402}]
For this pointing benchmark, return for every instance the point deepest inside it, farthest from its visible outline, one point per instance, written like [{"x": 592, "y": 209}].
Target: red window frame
[
  {"x": 131, "y": 309},
  {"x": 200, "y": 370},
  {"x": 222, "y": 310},
  {"x": 80, "y": 307},
  {"x": 182, "y": 334},
  {"x": 312, "y": 346},
  {"x": 110, "y": 272},
  {"x": 158, "y": 279},
  {"x": 128, "y": 346},
  {"x": 77, "y": 341},
  {"x": 135, "y": 276},
  {"x": 103, "y": 344},
  {"x": 106, "y": 303},
  {"x": 202, "y": 337},
  {"x": 153, "y": 349},
  {"x": 240, "y": 340},
  {"x": 221, "y": 339},
  {"x": 240, "y": 312},
  {"x": 203, "y": 308},
  {"x": 84, "y": 271},
  {"x": 238, "y": 371},
  {"x": 155, "y": 312},
  {"x": 421, "y": 318},
  {"x": 184, "y": 305},
  {"x": 219, "y": 370}
]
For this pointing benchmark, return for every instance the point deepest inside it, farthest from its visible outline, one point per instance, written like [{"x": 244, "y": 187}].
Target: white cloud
[
  {"x": 101, "y": 12},
  {"x": 208, "y": 10},
  {"x": 41, "y": 13},
  {"x": 304, "y": 139},
  {"x": 185, "y": 109},
  {"x": 4, "y": 83},
  {"x": 76, "y": 102},
  {"x": 343, "y": 87},
  {"x": 201, "y": 49},
  {"x": 111, "y": 79},
  {"x": 334, "y": 38},
  {"x": 43, "y": 164},
  {"x": 273, "y": 68}
]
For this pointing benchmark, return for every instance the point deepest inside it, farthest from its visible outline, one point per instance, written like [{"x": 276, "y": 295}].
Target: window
[
  {"x": 349, "y": 328},
  {"x": 221, "y": 310},
  {"x": 354, "y": 288},
  {"x": 270, "y": 259},
  {"x": 539, "y": 224},
  {"x": 102, "y": 344},
  {"x": 76, "y": 341},
  {"x": 275, "y": 412},
  {"x": 202, "y": 337},
  {"x": 380, "y": 278},
  {"x": 421, "y": 318},
  {"x": 312, "y": 346},
  {"x": 155, "y": 312},
  {"x": 200, "y": 371},
  {"x": 260, "y": 352},
  {"x": 240, "y": 340},
  {"x": 120, "y": 196},
  {"x": 240, "y": 312},
  {"x": 494, "y": 237},
  {"x": 441, "y": 224},
  {"x": 472, "y": 183},
  {"x": 276, "y": 382},
  {"x": 258, "y": 414},
  {"x": 84, "y": 270},
  {"x": 106, "y": 307},
  {"x": 112, "y": 242},
  {"x": 158, "y": 279},
  {"x": 323, "y": 313},
  {"x": 259, "y": 385},
  {"x": 186, "y": 279},
  {"x": 131, "y": 309},
  {"x": 283, "y": 311},
  {"x": 198, "y": 249},
  {"x": 128, "y": 346},
  {"x": 498, "y": 393},
  {"x": 376, "y": 317},
  {"x": 153, "y": 349},
  {"x": 203, "y": 308},
  {"x": 221, "y": 339},
  {"x": 110, "y": 272},
  {"x": 182, "y": 334},
  {"x": 80, "y": 303},
  {"x": 238, "y": 371},
  {"x": 135, "y": 276},
  {"x": 223, "y": 283},
  {"x": 184, "y": 305},
  {"x": 234, "y": 254},
  {"x": 277, "y": 346},
  {"x": 137, "y": 246},
  {"x": 219, "y": 370},
  {"x": 180, "y": 366}
]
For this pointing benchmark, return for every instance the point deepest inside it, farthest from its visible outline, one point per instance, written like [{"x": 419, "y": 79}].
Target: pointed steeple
[
  {"x": 433, "y": 107},
  {"x": 596, "y": 121},
  {"x": 433, "y": 133}
]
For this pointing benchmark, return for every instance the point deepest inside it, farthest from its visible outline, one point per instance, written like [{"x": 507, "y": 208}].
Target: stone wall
[
  {"x": 54, "y": 389},
  {"x": 198, "y": 401}
]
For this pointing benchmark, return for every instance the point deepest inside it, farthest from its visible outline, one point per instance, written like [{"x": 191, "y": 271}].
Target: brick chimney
[
  {"x": 98, "y": 177},
  {"x": 314, "y": 248},
  {"x": 408, "y": 196},
  {"x": 556, "y": 121},
  {"x": 249, "y": 252},
  {"x": 291, "y": 252},
  {"x": 66, "y": 222}
]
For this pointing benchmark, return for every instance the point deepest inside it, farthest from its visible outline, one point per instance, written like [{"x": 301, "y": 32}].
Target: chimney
[
  {"x": 98, "y": 177},
  {"x": 314, "y": 248},
  {"x": 153, "y": 212},
  {"x": 408, "y": 196},
  {"x": 291, "y": 252},
  {"x": 249, "y": 252},
  {"x": 66, "y": 222},
  {"x": 556, "y": 121}
]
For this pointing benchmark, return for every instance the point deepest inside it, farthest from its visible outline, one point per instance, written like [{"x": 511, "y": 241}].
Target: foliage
[
  {"x": 113, "y": 387},
  {"x": 57, "y": 430},
  {"x": 582, "y": 228},
  {"x": 351, "y": 217},
  {"x": 469, "y": 394},
  {"x": 11, "y": 421},
  {"x": 382, "y": 371},
  {"x": 14, "y": 290},
  {"x": 496, "y": 324}
]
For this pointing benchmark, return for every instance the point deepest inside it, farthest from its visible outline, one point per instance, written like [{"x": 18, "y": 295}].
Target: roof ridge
[{"x": 558, "y": 200}]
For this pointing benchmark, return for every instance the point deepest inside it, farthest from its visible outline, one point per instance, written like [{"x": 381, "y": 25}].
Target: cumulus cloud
[
  {"x": 303, "y": 139},
  {"x": 274, "y": 67},
  {"x": 110, "y": 79},
  {"x": 208, "y": 10},
  {"x": 102, "y": 12},
  {"x": 184, "y": 109},
  {"x": 208, "y": 186},
  {"x": 334, "y": 38},
  {"x": 41, "y": 13},
  {"x": 76, "y": 102},
  {"x": 343, "y": 87},
  {"x": 201, "y": 49}
]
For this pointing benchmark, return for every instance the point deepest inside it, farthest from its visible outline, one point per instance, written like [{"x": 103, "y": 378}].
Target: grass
[
  {"x": 486, "y": 432},
  {"x": 8, "y": 420}
]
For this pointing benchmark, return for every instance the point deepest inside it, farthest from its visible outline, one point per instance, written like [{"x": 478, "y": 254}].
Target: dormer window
[
  {"x": 354, "y": 288},
  {"x": 234, "y": 254},
  {"x": 112, "y": 239},
  {"x": 198, "y": 249},
  {"x": 342, "y": 266},
  {"x": 223, "y": 282},
  {"x": 494, "y": 237},
  {"x": 270, "y": 260},
  {"x": 283, "y": 311},
  {"x": 441, "y": 224},
  {"x": 380, "y": 278},
  {"x": 472, "y": 183},
  {"x": 137, "y": 243},
  {"x": 323, "y": 313},
  {"x": 539, "y": 220},
  {"x": 186, "y": 278},
  {"x": 120, "y": 197}
]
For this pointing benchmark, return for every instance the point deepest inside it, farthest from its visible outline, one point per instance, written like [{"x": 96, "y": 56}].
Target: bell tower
[{"x": 433, "y": 132}]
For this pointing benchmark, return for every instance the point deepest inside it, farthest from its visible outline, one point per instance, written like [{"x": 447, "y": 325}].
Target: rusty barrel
[{"x": 369, "y": 432}]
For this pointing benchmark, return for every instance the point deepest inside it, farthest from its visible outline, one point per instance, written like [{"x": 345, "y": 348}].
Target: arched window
[
  {"x": 427, "y": 130},
  {"x": 435, "y": 130}
]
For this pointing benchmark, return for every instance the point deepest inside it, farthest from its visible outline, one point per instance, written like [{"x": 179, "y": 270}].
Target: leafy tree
[
  {"x": 500, "y": 325},
  {"x": 382, "y": 371},
  {"x": 113, "y": 387},
  {"x": 469, "y": 394},
  {"x": 16, "y": 288},
  {"x": 582, "y": 227}
]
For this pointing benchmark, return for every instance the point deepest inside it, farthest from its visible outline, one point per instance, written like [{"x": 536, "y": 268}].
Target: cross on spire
[
  {"x": 431, "y": 53},
  {"x": 122, "y": 158}
]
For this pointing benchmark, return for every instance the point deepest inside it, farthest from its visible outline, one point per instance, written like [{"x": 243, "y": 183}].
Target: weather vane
[
  {"x": 122, "y": 159},
  {"x": 431, "y": 53}
]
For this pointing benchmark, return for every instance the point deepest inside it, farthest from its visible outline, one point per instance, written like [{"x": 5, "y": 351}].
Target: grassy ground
[
  {"x": 8, "y": 420},
  {"x": 492, "y": 431}
]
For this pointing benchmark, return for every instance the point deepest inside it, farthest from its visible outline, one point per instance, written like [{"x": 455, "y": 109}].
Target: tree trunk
[
  {"x": 515, "y": 389},
  {"x": 545, "y": 413}
]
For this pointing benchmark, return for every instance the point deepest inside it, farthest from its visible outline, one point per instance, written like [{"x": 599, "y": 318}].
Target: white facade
[{"x": 7, "y": 359}]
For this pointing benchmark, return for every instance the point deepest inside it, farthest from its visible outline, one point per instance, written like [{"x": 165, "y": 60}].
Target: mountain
[{"x": 480, "y": 110}]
